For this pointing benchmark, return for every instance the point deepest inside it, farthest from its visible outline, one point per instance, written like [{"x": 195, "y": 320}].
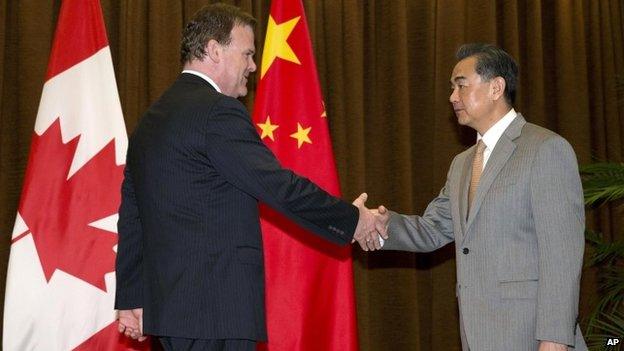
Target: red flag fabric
[
  {"x": 309, "y": 282},
  {"x": 60, "y": 281}
]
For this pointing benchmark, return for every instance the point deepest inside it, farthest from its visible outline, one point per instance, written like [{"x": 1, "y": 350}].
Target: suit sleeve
[
  {"x": 129, "y": 262},
  {"x": 238, "y": 154},
  {"x": 557, "y": 207},
  {"x": 423, "y": 234}
]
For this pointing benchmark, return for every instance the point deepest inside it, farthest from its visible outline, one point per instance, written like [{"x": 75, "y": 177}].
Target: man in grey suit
[{"x": 513, "y": 204}]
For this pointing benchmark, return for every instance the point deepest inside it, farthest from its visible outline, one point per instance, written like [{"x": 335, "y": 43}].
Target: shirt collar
[
  {"x": 205, "y": 77},
  {"x": 490, "y": 138}
]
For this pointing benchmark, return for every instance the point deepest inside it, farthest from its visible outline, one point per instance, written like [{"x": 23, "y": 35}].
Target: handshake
[{"x": 372, "y": 225}]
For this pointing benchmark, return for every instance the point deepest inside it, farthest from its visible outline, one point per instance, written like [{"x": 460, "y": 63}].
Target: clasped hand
[{"x": 372, "y": 225}]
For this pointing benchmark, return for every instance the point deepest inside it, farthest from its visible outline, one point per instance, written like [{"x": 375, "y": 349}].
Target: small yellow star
[
  {"x": 275, "y": 44},
  {"x": 267, "y": 128},
  {"x": 302, "y": 135}
]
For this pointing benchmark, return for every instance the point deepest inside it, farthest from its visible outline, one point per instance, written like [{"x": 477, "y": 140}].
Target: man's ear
[
  {"x": 213, "y": 51},
  {"x": 497, "y": 87}
]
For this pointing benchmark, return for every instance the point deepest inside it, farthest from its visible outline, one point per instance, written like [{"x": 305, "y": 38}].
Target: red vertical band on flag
[
  {"x": 82, "y": 17},
  {"x": 309, "y": 282}
]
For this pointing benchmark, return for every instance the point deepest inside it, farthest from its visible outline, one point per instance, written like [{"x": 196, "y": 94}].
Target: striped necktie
[{"x": 477, "y": 169}]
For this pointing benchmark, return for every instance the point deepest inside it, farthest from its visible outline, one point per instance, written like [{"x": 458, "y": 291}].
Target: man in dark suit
[
  {"x": 189, "y": 263},
  {"x": 513, "y": 205}
]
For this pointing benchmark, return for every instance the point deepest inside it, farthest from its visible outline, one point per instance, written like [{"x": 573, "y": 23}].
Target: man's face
[
  {"x": 238, "y": 61},
  {"x": 471, "y": 96}
]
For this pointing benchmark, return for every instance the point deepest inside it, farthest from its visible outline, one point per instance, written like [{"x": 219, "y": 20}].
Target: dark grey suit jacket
[
  {"x": 190, "y": 249},
  {"x": 520, "y": 251}
]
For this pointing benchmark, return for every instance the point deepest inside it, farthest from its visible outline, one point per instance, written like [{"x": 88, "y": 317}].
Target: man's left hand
[{"x": 131, "y": 323}]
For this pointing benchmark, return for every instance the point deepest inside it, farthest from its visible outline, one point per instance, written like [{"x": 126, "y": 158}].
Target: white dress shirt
[
  {"x": 204, "y": 77},
  {"x": 491, "y": 136}
]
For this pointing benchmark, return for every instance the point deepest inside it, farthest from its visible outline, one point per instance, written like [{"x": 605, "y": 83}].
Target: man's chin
[{"x": 461, "y": 119}]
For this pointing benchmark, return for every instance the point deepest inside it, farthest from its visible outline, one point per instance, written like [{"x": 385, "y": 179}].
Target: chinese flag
[
  {"x": 60, "y": 281},
  {"x": 309, "y": 282}
]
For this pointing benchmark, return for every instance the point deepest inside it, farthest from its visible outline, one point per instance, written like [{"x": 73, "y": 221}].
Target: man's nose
[{"x": 454, "y": 96}]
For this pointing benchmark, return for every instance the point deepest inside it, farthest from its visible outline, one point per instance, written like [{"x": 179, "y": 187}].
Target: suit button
[{"x": 465, "y": 250}]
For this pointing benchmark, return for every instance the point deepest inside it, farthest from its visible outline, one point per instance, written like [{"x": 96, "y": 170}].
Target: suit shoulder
[
  {"x": 541, "y": 141},
  {"x": 538, "y": 135}
]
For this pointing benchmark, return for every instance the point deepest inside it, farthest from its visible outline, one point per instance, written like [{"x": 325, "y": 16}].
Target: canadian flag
[{"x": 60, "y": 281}]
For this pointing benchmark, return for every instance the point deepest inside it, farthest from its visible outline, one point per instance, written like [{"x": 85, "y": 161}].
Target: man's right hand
[
  {"x": 369, "y": 226},
  {"x": 131, "y": 323},
  {"x": 383, "y": 219}
]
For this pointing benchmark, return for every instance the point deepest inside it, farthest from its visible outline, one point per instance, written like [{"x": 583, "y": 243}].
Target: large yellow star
[
  {"x": 275, "y": 44},
  {"x": 267, "y": 128},
  {"x": 302, "y": 135}
]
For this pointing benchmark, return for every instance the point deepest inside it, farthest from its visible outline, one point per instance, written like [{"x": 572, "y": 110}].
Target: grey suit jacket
[{"x": 519, "y": 252}]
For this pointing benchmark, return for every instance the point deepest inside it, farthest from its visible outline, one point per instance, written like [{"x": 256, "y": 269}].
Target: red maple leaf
[{"x": 58, "y": 210}]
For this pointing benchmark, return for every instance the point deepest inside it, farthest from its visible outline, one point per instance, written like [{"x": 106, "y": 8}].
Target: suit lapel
[
  {"x": 463, "y": 188},
  {"x": 498, "y": 158}
]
